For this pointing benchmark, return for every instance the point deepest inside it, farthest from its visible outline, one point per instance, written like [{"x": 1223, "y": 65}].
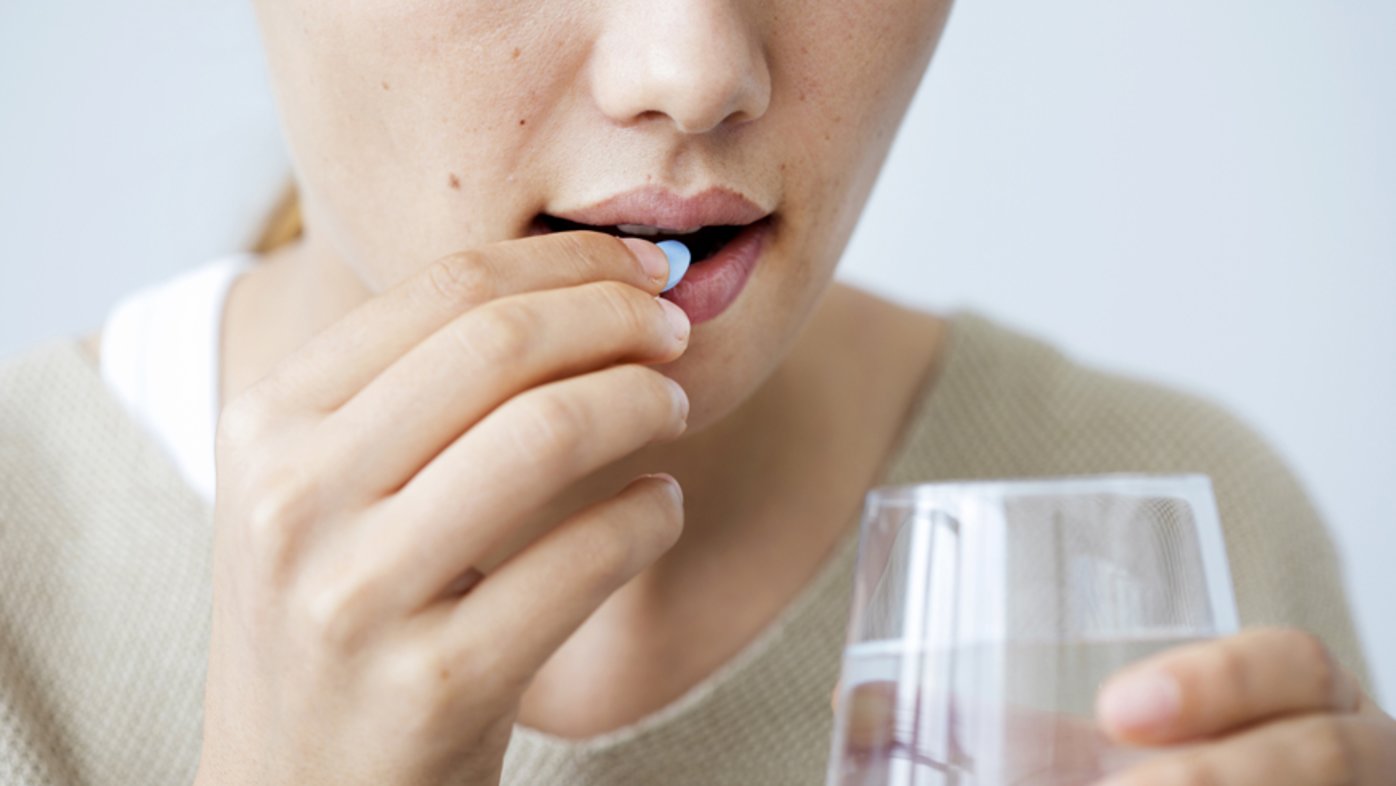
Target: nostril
[{"x": 697, "y": 67}]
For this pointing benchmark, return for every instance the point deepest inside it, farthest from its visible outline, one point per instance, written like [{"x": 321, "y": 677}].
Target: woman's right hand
[{"x": 363, "y": 479}]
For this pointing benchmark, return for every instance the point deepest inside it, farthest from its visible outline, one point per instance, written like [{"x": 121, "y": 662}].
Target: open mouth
[{"x": 703, "y": 242}]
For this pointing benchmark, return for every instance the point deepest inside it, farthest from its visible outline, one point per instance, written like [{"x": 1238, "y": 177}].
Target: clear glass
[{"x": 987, "y": 614}]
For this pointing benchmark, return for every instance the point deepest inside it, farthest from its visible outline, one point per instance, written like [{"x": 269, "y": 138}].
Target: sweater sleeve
[
  {"x": 104, "y": 596},
  {"x": 31, "y": 749}
]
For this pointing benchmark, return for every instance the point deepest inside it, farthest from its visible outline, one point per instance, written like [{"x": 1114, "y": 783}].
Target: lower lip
[{"x": 712, "y": 285}]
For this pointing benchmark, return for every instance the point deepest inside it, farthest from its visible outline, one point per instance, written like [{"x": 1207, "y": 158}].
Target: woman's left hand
[{"x": 1266, "y": 707}]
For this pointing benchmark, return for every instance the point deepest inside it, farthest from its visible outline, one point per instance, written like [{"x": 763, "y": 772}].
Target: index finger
[
  {"x": 341, "y": 360},
  {"x": 1214, "y": 686}
]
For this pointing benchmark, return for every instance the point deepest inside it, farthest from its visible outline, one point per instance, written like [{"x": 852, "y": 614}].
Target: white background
[{"x": 1200, "y": 192}]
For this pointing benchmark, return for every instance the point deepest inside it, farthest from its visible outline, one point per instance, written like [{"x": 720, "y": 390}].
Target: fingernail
[
  {"x": 652, "y": 258},
  {"x": 678, "y": 320},
  {"x": 680, "y": 399},
  {"x": 671, "y": 480},
  {"x": 1140, "y": 701}
]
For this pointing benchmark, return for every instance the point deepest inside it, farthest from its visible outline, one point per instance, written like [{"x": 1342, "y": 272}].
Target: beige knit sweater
[{"x": 104, "y": 572}]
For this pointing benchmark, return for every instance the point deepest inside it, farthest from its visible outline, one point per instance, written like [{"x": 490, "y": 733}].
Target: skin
[{"x": 405, "y": 564}]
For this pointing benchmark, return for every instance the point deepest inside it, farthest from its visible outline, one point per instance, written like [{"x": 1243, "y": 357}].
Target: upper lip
[{"x": 656, "y": 206}]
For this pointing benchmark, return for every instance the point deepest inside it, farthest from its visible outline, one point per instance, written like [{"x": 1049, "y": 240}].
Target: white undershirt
[{"x": 160, "y": 357}]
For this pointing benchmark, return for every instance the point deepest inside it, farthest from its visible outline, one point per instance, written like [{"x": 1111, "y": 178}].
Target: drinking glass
[{"x": 986, "y": 615}]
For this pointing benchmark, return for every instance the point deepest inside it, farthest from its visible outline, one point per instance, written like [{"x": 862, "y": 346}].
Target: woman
[{"x": 488, "y": 511}]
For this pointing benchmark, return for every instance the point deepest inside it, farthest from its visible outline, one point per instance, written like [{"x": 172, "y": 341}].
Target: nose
[{"x": 698, "y": 63}]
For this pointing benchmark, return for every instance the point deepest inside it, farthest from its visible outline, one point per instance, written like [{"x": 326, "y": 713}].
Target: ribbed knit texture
[{"x": 104, "y": 566}]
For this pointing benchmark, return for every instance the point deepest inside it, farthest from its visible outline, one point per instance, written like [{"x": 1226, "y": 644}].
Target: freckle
[
  {"x": 516, "y": 53},
  {"x": 445, "y": 674},
  {"x": 455, "y": 181},
  {"x": 385, "y": 86},
  {"x": 523, "y": 121}
]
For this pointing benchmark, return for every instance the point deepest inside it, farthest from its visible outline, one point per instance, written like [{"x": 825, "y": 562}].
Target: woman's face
[{"x": 423, "y": 127}]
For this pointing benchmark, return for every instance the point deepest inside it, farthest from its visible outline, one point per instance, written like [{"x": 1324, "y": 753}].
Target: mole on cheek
[
  {"x": 455, "y": 181},
  {"x": 516, "y": 53},
  {"x": 523, "y": 121}
]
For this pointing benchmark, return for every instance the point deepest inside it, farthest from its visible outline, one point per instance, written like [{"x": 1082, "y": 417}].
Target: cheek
[
  {"x": 442, "y": 79},
  {"x": 846, "y": 74},
  {"x": 851, "y": 68},
  {"x": 407, "y": 120},
  {"x": 400, "y": 98}
]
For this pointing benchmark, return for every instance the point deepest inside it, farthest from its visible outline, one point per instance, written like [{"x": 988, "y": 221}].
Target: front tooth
[{"x": 644, "y": 230}]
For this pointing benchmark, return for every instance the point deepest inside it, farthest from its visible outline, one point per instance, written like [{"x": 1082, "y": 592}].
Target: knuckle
[
  {"x": 668, "y": 402},
  {"x": 1328, "y": 753},
  {"x": 430, "y": 686},
  {"x": 279, "y": 510},
  {"x": 631, "y": 310},
  {"x": 461, "y": 280},
  {"x": 242, "y": 422},
  {"x": 405, "y": 671},
  {"x": 548, "y": 426},
  {"x": 1228, "y": 670},
  {"x": 588, "y": 247},
  {"x": 607, "y": 555},
  {"x": 413, "y": 669},
  {"x": 497, "y": 334},
  {"x": 414, "y": 678},
  {"x": 332, "y": 613},
  {"x": 1318, "y": 663}
]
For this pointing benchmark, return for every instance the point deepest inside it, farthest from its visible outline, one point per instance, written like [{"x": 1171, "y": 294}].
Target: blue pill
[{"x": 679, "y": 257}]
